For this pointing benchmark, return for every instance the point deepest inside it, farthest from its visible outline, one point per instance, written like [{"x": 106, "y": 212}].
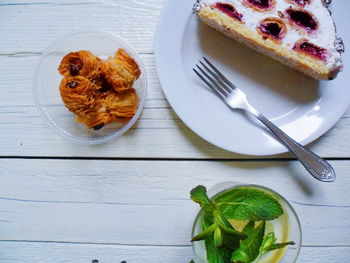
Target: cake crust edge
[{"x": 233, "y": 29}]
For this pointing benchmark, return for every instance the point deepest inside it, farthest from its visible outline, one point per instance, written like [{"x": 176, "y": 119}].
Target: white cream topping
[{"x": 325, "y": 35}]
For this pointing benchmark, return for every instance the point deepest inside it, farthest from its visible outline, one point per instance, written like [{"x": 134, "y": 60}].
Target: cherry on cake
[{"x": 298, "y": 33}]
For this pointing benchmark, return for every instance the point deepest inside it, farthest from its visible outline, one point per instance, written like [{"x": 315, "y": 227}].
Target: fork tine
[
  {"x": 213, "y": 74},
  {"x": 224, "y": 79},
  {"x": 215, "y": 84},
  {"x": 208, "y": 84}
]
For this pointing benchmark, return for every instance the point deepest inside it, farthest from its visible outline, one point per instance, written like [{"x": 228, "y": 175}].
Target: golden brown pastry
[
  {"x": 82, "y": 63},
  {"x": 128, "y": 62},
  {"x": 121, "y": 105},
  {"x": 78, "y": 94},
  {"x": 99, "y": 92},
  {"x": 121, "y": 71}
]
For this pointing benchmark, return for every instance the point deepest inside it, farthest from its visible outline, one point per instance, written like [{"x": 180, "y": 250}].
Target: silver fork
[{"x": 236, "y": 99}]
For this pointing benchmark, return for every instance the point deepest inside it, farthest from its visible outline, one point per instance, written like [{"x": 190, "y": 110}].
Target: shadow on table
[
  {"x": 265, "y": 71},
  {"x": 302, "y": 178}
]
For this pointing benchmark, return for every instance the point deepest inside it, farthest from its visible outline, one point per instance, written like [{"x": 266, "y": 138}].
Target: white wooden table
[{"x": 128, "y": 200}]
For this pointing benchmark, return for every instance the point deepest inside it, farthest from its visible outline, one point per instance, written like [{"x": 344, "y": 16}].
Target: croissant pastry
[
  {"x": 121, "y": 105},
  {"x": 82, "y": 63},
  {"x": 96, "y": 120},
  {"x": 128, "y": 62},
  {"x": 120, "y": 71},
  {"x": 99, "y": 92},
  {"x": 78, "y": 94}
]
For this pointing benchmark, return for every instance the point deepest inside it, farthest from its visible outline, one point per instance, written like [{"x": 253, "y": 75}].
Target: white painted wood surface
[
  {"x": 134, "y": 207},
  {"x": 27, "y": 27},
  {"x": 82, "y": 253},
  {"x": 145, "y": 203}
]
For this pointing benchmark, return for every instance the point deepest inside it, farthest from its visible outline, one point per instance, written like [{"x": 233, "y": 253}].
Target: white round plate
[{"x": 302, "y": 107}]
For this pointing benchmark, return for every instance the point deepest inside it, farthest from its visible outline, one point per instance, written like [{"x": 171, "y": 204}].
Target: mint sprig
[
  {"x": 199, "y": 195},
  {"x": 269, "y": 244},
  {"x": 248, "y": 250},
  {"x": 215, "y": 254},
  {"x": 219, "y": 222},
  {"x": 248, "y": 204},
  {"x": 223, "y": 253},
  {"x": 224, "y": 244},
  {"x": 218, "y": 233}
]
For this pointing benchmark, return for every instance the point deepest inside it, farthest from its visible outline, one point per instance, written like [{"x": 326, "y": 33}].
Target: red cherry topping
[
  {"x": 272, "y": 28},
  {"x": 229, "y": 10},
  {"x": 261, "y": 5},
  {"x": 300, "y": 2},
  {"x": 302, "y": 19},
  {"x": 311, "y": 49}
]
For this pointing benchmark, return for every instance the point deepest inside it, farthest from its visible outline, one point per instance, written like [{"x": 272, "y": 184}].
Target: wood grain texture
[
  {"x": 138, "y": 211},
  {"x": 85, "y": 253},
  {"x": 115, "y": 201},
  {"x": 158, "y": 134},
  {"x": 135, "y": 21}
]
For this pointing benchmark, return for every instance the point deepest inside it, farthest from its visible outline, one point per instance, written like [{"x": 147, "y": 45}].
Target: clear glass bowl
[
  {"x": 286, "y": 228},
  {"x": 47, "y": 79}
]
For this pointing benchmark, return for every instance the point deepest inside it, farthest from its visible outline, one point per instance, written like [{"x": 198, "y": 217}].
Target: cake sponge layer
[{"x": 307, "y": 64}]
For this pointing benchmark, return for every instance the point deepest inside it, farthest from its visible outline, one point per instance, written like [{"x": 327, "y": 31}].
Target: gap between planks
[
  {"x": 38, "y": 54},
  {"x": 130, "y": 245},
  {"x": 164, "y": 159}
]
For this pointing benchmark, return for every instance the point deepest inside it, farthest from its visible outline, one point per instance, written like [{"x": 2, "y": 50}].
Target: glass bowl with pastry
[{"x": 90, "y": 87}]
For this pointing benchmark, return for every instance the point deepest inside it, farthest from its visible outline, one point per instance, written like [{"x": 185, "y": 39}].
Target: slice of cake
[{"x": 298, "y": 33}]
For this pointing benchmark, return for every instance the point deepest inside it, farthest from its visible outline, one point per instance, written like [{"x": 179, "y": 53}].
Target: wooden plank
[
  {"x": 29, "y": 26},
  {"x": 19, "y": 50},
  {"x": 147, "y": 202},
  {"x": 158, "y": 134},
  {"x": 85, "y": 253},
  {"x": 16, "y": 80},
  {"x": 128, "y": 202}
]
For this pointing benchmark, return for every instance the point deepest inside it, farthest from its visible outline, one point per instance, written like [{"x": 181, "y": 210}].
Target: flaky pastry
[
  {"x": 120, "y": 71},
  {"x": 82, "y": 63},
  {"x": 99, "y": 92}
]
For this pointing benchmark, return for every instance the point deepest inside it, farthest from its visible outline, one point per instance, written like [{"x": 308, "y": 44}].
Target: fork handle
[{"x": 315, "y": 165}]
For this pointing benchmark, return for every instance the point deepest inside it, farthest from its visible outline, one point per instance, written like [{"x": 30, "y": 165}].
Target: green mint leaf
[
  {"x": 225, "y": 225},
  {"x": 278, "y": 246},
  {"x": 222, "y": 221},
  {"x": 230, "y": 241},
  {"x": 217, "y": 237},
  {"x": 248, "y": 204},
  {"x": 231, "y": 231},
  {"x": 207, "y": 220},
  {"x": 269, "y": 239},
  {"x": 249, "y": 227},
  {"x": 206, "y": 233},
  {"x": 217, "y": 255},
  {"x": 223, "y": 243},
  {"x": 240, "y": 255},
  {"x": 249, "y": 248},
  {"x": 222, "y": 254},
  {"x": 200, "y": 196},
  {"x": 269, "y": 243}
]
